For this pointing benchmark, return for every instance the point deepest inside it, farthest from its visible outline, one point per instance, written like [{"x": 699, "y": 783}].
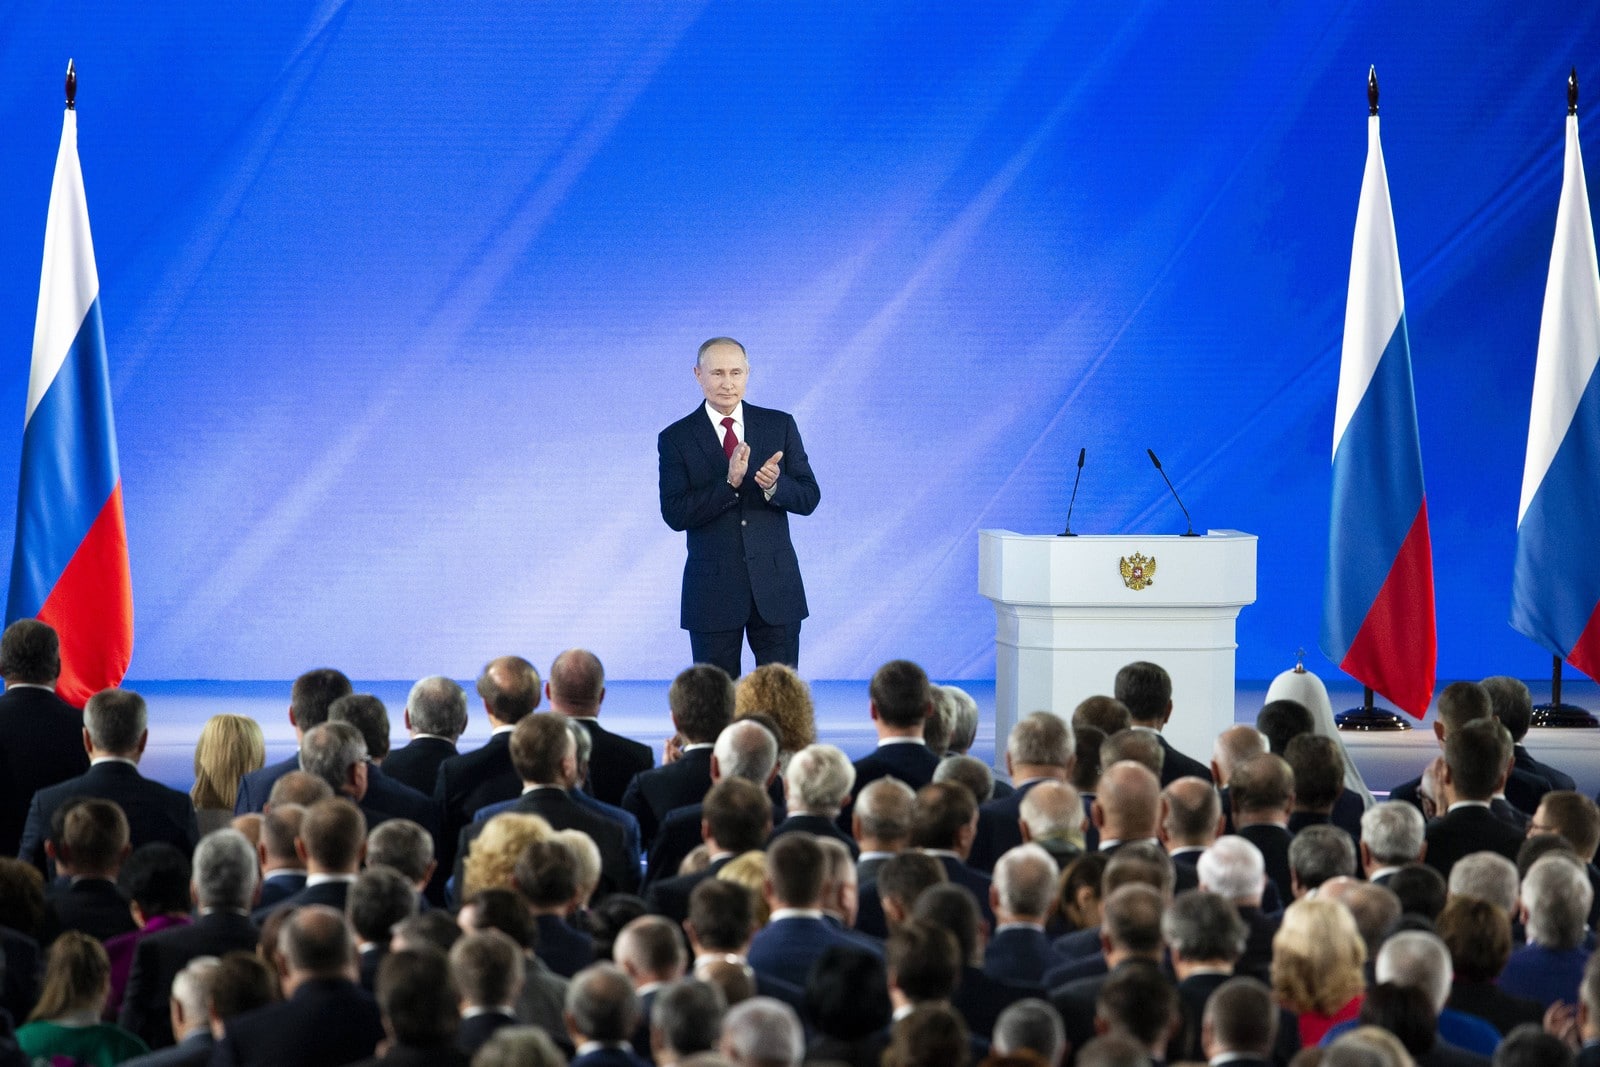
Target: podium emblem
[{"x": 1138, "y": 571}]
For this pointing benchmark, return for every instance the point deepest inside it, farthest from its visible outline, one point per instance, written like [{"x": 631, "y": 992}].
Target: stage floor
[{"x": 178, "y": 709}]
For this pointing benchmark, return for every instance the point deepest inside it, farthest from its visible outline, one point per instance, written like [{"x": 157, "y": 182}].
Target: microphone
[
  {"x": 1068, "y": 531},
  {"x": 1190, "y": 532}
]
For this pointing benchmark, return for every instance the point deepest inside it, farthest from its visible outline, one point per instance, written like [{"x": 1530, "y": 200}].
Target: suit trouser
[{"x": 771, "y": 643}]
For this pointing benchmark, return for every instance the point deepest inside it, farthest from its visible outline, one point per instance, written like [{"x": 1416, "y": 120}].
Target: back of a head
[
  {"x": 797, "y": 869},
  {"x": 1131, "y": 919},
  {"x": 225, "y": 871},
  {"x": 1485, "y": 876},
  {"x": 546, "y": 874},
  {"x": 1031, "y": 1025},
  {"x": 1140, "y": 863},
  {"x": 1145, "y": 689},
  {"x": 334, "y": 831},
  {"x": 846, "y": 993},
  {"x": 327, "y": 752},
  {"x": 763, "y": 1032},
  {"x": 1232, "y": 867},
  {"x": 601, "y": 1003},
  {"x": 313, "y": 693},
  {"x": 969, "y": 771},
  {"x": 1130, "y": 795},
  {"x": 1477, "y": 753},
  {"x": 577, "y": 681},
  {"x": 297, "y": 788},
  {"x": 1478, "y": 935},
  {"x": 241, "y": 982},
  {"x": 701, "y": 699},
  {"x": 156, "y": 878},
  {"x": 739, "y": 814},
  {"x": 1025, "y": 881},
  {"x": 924, "y": 960},
  {"x": 722, "y": 915},
  {"x": 1318, "y": 853},
  {"x": 1392, "y": 832},
  {"x": 1114, "y": 1050},
  {"x": 75, "y": 976},
  {"x": 884, "y": 809},
  {"x": 402, "y": 844},
  {"x": 1529, "y": 1046},
  {"x": 1139, "y": 1001},
  {"x": 30, "y": 653},
  {"x": 509, "y": 686},
  {"x": 1086, "y": 757},
  {"x": 746, "y": 749},
  {"x": 1281, "y": 721},
  {"x": 229, "y": 747},
  {"x": 901, "y": 694},
  {"x": 1053, "y": 811},
  {"x": 437, "y": 705},
  {"x": 688, "y": 1015},
  {"x": 1106, "y": 714},
  {"x": 1575, "y": 817},
  {"x": 1136, "y": 746},
  {"x": 940, "y": 723},
  {"x": 1375, "y": 908},
  {"x": 378, "y": 899},
  {"x": 953, "y": 907},
  {"x": 932, "y": 1035},
  {"x": 963, "y": 718},
  {"x": 821, "y": 777},
  {"x": 1421, "y": 890},
  {"x": 1460, "y": 703},
  {"x": 1042, "y": 739},
  {"x": 1366, "y": 1046},
  {"x": 1243, "y": 1017},
  {"x": 1261, "y": 785},
  {"x": 429, "y": 929},
  {"x": 93, "y": 835},
  {"x": 418, "y": 998},
  {"x": 775, "y": 692},
  {"x": 1318, "y": 766},
  {"x": 502, "y": 910},
  {"x": 1557, "y": 895},
  {"x": 942, "y": 811},
  {"x": 652, "y": 947},
  {"x": 1235, "y": 745},
  {"x": 519, "y": 1046},
  {"x": 1203, "y": 926},
  {"x": 367, "y": 714},
  {"x": 1193, "y": 811},
  {"x": 907, "y": 875},
  {"x": 540, "y": 747},
  {"x": 487, "y": 968},
  {"x": 1405, "y": 1011},
  {"x": 116, "y": 720},
  {"x": 316, "y": 941},
  {"x": 1417, "y": 960},
  {"x": 279, "y": 828},
  {"x": 1510, "y": 702}
]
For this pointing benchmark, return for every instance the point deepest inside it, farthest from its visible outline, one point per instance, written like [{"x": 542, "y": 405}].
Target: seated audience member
[
  {"x": 297, "y": 787},
  {"x": 1078, "y": 892},
  {"x": 1134, "y": 746},
  {"x": 1139, "y": 863},
  {"x": 520, "y": 1046},
  {"x": 979, "y": 997},
  {"x": 1421, "y": 890},
  {"x": 421, "y": 1010},
  {"x": 1375, "y": 909},
  {"x": 404, "y": 846},
  {"x": 1577, "y": 819},
  {"x": 1131, "y": 934},
  {"x": 1459, "y": 704},
  {"x": 435, "y": 718},
  {"x": 847, "y": 1003},
  {"x": 901, "y": 881},
  {"x": 491, "y": 863},
  {"x": 944, "y": 824},
  {"x": 579, "y": 793},
  {"x": 963, "y": 723},
  {"x": 190, "y": 1017},
  {"x": 1031, "y": 1025},
  {"x": 433, "y": 928},
  {"x": 1414, "y": 959},
  {"x": 1476, "y": 756},
  {"x": 923, "y": 961},
  {"x": 544, "y": 993},
  {"x": 606, "y": 920},
  {"x": 1191, "y": 820},
  {"x": 736, "y": 818},
  {"x": 65, "y": 1022},
  {"x": 1529, "y": 1046},
  {"x": 900, "y": 700},
  {"x": 1281, "y": 721},
  {"x": 1317, "y": 961},
  {"x": 248, "y": 825},
  {"x": 1021, "y": 897},
  {"x": 818, "y": 781},
  {"x": 577, "y": 689},
  {"x": 1486, "y": 876},
  {"x": 487, "y": 969},
  {"x": 309, "y": 698},
  {"x": 1146, "y": 690},
  {"x": 1318, "y": 766},
  {"x": 702, "y": 700},
  {"x": 602, "y": 1014},
  {"x": 720, "y": 924},
  {"x": 1127, "y": 806},
  {"x": 1240, "y": 1024},
  {"x": 327, "y": 1018},
  {"x": 385, "y": 797},
  {"x": 1115, "y": 1050},
  {"x": 155, "y": 881},
  {"x": 841, "y": 892},
  {"x": 1139, "y": 1002},
  {"x": 931, "y": 1035},
  {"x": 1205, "y": 937},
  {"x": 880, "y": 822},
  {"x": 22, "y": 924},
  {"x": 686, "y": 1020},
  {"x": 333, "y": 835},
  {"x": 1233, "y": 869},
  {"x": 762, "y": 1032},
  {"x": 1406, "y": 1013},
  {"x": 114, "y": 732},
  {"x": 1478, "y": 935},
  {"x": 1391, "y": 837},
  {"x": 1039, "y": 750},
  {"x": 776, "y": 691},
  {"x": 797, "y": 932},
  {"x": 229, "y": 747},
  {"x": 587, "y": 870},
  {"x": 1318, "y": 853},
  {"x": 88, "y": 845},
  {"x": 749, "y": 869},
  {"x": 223, "y": 885},
  {"x": 546, "y": 878},
  {"x": 1104, "y": 713},
  {"x": 283, "y": 872},
  {"x": 746, "y": 749},
  {"x": 1233, "y": 746},
  {"x": 1556, "y": 897},
  {"x": 650, "y": 952},
  {"x": 379, "y": 900},
  {"x": 1086, "y": 770},
  {"x": 1262, "y": 796},
  {"x": 1512, "y": 705},
  {"x": 40, "y": 734},
  {"x": 970, "y": 772},
  {"x": 1051, "y": 816}
]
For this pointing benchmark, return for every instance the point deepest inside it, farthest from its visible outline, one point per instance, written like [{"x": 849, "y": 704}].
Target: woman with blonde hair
[
  {"x": 780, "y": 694},
  {"x": 230, "y": 747},
  {"x": 66, "y": 1021},
  {"x": 1317, "y": 961},
  {"x": 587, "y": 855},
  {"x": 492, "y": 859},
  {"x": 749, "y": 869}
]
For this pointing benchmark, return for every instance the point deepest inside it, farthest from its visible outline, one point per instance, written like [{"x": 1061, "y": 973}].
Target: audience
[
  {"x": 776, "y": 691},
  {"x": 40, "y": 734},
  {"x": 65, "y": 1022},
  {"x": 421, "y": 1010},
  {"x": 229, "y": 747},
  {"x": 435, "y": 718}
]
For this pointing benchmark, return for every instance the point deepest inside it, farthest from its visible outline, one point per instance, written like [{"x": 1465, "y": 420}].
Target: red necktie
[{"x": 729, "y": 441}]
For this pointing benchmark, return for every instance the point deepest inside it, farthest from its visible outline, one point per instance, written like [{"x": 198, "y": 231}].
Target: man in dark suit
[
  {"x": 1205, "y": 937},
  {"x": 1513, "y": 706},
  {"x": 1241, "y": 1024},
  {"x": 1476, "y": 757},
  {"x": 720, "y": 924},
  {"x": 880, "y": 823},
  {"x": 1146, "y": 690},
  {"x": 742, "y": 575},
  {"x": 40, "y": 734},
  {"x": 1131, "y": 937},
  {"x": 979, "y": 996},
  {"x": 488, "y": 972},
  {"x": 114, "y": 735},
  {"x": 797, "y": 932},
  {"x": 1392, "y": 835},
  {"x": 420, "y": 1011},
  {"x": 1233, "y": 869},
  {"x": 815, "y": 788},
  {"x": 326, "y": 1020},
  {"x": 435, "y": 717},
  {"x": 282, "y": 870},
  {"x": 332, "y": 837},
  {"x": 384, "y": 797},
  {"x": 544, "y": 753},
  {"x": 745, "y": 749},
  {"x": 189, "y": 1011},
  {"x": 547, "y": 877},
  {"x": 576, "y": 689},
  {"x": 309, "y": 699},
  {"x": 1039, "y": 749},
  {"x": 602, "y": 1015},
  {"x": 1458, "y": 704},
  {"x": 899, "y": 701},
  {"x": 88, "y": 844},
  {"x": 650, "y": 952},
  {"x": 1191, "y": 821},
  {"x": 1262, "y": 789},
  {"x": 701, "y": 700},
  {"x": 736, "y": 818},
  {"x": 336, "y": 753},
  {"x": 223, "y": 885},
  {"x": 1021, "y": 898},
  {"x": 943, "y": 823}
]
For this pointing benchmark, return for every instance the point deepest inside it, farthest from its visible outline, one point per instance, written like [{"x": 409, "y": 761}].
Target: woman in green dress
[{"x": 65, "y": 1025}]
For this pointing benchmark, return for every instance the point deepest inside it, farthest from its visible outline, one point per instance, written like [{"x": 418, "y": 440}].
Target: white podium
[{"x": 1072, "y": 611}]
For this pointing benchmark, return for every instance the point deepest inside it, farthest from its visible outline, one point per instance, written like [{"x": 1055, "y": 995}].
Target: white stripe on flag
[{"x": 68, "y": 283}]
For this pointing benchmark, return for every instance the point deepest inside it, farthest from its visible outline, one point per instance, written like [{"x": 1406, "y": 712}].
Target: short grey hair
[
  {"x": 1202, "y": 925},
  {"x": 884, "y": 807},
  {"x": 1485, "y": 876},
  {"x": 1393, "y": 832},
  {"x": 225, "y": 870},
  {"x": 764, "y": 1031},
  {"x": 1053, "y": 810},
  {"x": 1557, "y": 895},
  {"x": 747, "y": 750},
  {"x": 519, "y": 1046},
  {"x": 1417, "y": 960},
  {"x": 1042, "y": 738},
  {"x": 963, "y": 717},
  {"x": 191, "y": 987},
  {"x": 688, "y": 1013},
  {"x": 329, "y": 751},
  {"x": 1319, "y": 853},
  {"x": 586, "y": 862},
  {"x": 582, "y": 742},
  {"x": 1025, "y": 880},
  {"x": 438, "y": 705},
  {"x": 115, "y": 719},
  {"x": 602, "y": 1003},
  {"x": 1031, "y": 1025},
  {"x": 821, "y": 777},
  {"x": 402, "y": 844},
  {"x": 968, "y": 771},
  {"x": 1233, "y": 867}
]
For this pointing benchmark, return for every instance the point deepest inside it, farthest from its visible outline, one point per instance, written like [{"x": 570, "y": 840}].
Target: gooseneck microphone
[
  {"x": 1068, "y": 531},
  {"x": 1190, "y": 531}
]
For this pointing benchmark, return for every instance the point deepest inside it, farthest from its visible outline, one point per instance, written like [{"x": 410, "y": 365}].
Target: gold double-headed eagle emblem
[{"x": 1138, "y": 571}]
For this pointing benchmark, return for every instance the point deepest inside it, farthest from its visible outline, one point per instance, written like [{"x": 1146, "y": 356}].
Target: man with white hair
[
  {"x": 880, "y": 822},
  {"x": 1040, "y": 748},
  {"x": 190, "y": 1014},
  {"x": 744, "y": 749},
  {"x": 763, "y": 1032},
  {"x": 1391, "y": 837},
  {"x": 1486, "y": 876},
  {"x": 1021, "y": 895},
  {"x": 1052, "y": 817},
  {"x": 1233, "y": 868},
  {"x": 1419, "y": 960},
  {"x": 1556, "y": 896},
  {"x": 1031, "y": 1025},
  {"x": 818, "y": 781},
  {"x": 435, "y": 717}
]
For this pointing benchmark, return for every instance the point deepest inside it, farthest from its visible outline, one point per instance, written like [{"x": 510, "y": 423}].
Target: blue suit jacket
[
  {"x": 155, "y": 812},
  {"x": 739, "y": 545},
  {"x": 630, "y": 825},
  {"x": 787, "y": 948},
  {"x": 1020, "y": 954},
  {"x": 255, "y": 787}
]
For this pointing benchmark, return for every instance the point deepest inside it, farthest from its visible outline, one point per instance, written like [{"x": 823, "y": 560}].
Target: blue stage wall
[{"x": 397, "y": 296}]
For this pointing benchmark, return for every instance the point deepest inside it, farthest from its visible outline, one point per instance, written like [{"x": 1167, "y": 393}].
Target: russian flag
[
  {"x": 1555, "y": 587},
  {"x": 70, "y": 566},
  {"x": 1377, "y": 615}
]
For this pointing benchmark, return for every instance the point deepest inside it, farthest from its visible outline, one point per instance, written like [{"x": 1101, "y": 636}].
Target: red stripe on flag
[
  {"x": 1394, "y": 651},
  {"x": 91, "y": 607},
  {"x": 1585, "y": 654}
]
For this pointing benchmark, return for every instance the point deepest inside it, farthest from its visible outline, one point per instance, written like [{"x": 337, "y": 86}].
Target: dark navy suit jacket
[
  {"x": 869, "y": 906},
  {"x": 998, "y": 828},
  {"x": 739, "y": 547},
  {"x": 786, "y": 949},
  {"x": 1176, "y": 765},
  {"x": 41, "y": 743},
  {"x": 610, "y": 1057},
  {"x": 654, "y": 793},
  {"x": 565, "y": 951},
  {"x": 1018, "y": 954},
  {"x": 390, "y": 798},
  {"x": 255, "y": 787},
  {"x": 155, "y": 812},
  {"x": 417, "y": 764},
  {"x": 613, "y": 761},
  {"x": 327, "y": 1022}
]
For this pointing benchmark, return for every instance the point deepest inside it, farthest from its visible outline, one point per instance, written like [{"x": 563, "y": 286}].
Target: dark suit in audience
[
  {"x": 480, "y": 1028},
  {"x": 1522, "y": 759},
  {"x": 327, "y": 1023},
  {"x": 388, "y": 798},
  {"x": 417, "y": 764},
  {"x": 613, "y": 762},
  {"x": 1075, "y": 1002},
  {"x": 93, "y": 906},
  {"x": 981, "y": 997},
  {"x": 41, "y": 744},
  {"x": 870, "y": 919},
  {"x": 565, "y": 949},
  {"x": 1257, "y": 959},
  {"x": 256, "y": 787},
  {"x": 786, "y": 948},
  {"x": 1494, "y": 1005},
  {"x": 1176, "y": 765},
  {"x": 1019, "y": 953},
  {"x": 280, "y": 884},
  {"x": 24, "y": 963},
  {"x": 1468, "y": 829},
  {"x": 155, "y": 812},
  {"x": 1521, "y": 786},
  {"x": 911, "y": 761},
  {"x": 654, "y": 793},
  {"x": 1273, "y": 841},
  {"x": 158, "y": 959},
  {"x": 195, "y": 1050},
  {"x": 415, "y": 1056},
  {"x": 1193, "y": 992},
  {"x": 679, "y": 834},
  {"x": 610, "y": 1057},
  {"x": 670, "y": 896},
  {"x": 468, "y": 782},
  {"x": 333, "y": 893},
  {"x": 812, "y": 824},
  {"x": 999, "y": 828}
]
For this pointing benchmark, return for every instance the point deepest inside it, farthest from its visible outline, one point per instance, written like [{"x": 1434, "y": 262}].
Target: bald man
[{"x": 576, "y": 688}]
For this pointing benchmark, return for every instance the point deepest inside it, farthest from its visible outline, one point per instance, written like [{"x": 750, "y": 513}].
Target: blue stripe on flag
[
  {"x": 69, "y": 468},
  {"x": 1556, "y": 582},
  {"x": 1377, "y": 489}
]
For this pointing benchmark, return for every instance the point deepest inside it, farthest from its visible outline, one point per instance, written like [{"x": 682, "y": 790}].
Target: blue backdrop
[{"x": 397, "y": 297}]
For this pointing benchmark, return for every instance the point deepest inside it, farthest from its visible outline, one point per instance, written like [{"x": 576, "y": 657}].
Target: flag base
[
  {"x": 1563, "y": 717},
  {"x": 1369, "y": 719}
]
